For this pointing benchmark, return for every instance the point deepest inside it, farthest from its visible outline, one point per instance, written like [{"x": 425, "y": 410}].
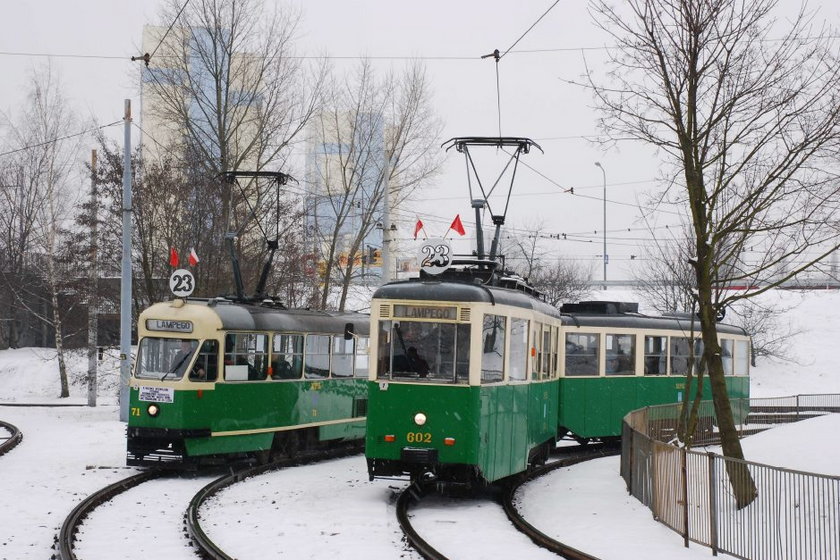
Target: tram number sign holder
[
  {"x": 181, "y": 283},
  {"x": 435, "y": 256}
]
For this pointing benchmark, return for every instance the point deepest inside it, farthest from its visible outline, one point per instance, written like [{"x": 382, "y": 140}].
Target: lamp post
[{"x": 606, "y": 258}]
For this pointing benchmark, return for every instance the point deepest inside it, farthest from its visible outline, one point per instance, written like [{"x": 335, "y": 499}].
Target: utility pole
[
  {"x": 93, "y": 294},
  {"x": 125, "y": 284},
  {"x": 606, "y": 257},
  {"x": 386, "y": 221}
]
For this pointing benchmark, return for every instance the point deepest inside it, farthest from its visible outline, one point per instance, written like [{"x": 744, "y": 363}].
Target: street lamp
[{"x": 606, "y": 258}]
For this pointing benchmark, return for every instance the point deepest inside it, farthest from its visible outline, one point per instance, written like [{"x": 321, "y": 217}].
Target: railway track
[
  {"x": 65, "y": 545},
  {"x": 537, "y": 536},
  {"x": 205, "y": 547},
  {"x": 7, "y": 443},
  {"x": 567, "y": 456},
  {"x": 67, "y": 534}
]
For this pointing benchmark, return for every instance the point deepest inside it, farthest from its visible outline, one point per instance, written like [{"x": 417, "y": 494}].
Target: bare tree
[
  {"x": 226, "y": 88},
  {"x": 224, "y": 92},
  {"x": 749, "y": 122},
  {"x": 41, "y": 207},
  {"x": 667, "y": 284},
  {"x": 18, "y": 207},
  {"x": 375, "y": 136},
  {"x": 560, "y": 281},
  {"x": 667, "y": 280},
  {"x": 227, "y": 83}
]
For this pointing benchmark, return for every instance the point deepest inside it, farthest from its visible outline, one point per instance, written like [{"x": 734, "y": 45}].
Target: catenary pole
[
  {"x": 386, "y": 221},
  {"x": 125, "y": 284}
]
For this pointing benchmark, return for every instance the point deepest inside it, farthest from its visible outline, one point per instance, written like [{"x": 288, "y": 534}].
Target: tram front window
[
  {"x": 424, "y": 351},
  {"x": 164, "y": 358}
]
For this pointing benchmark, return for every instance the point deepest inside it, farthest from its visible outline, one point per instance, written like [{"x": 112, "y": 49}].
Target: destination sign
[
  {"x": 425, "y": 312},
  {"x": 168, "y": 325}
]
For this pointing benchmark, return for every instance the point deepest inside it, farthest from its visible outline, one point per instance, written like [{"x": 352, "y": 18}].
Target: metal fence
[{"x": 796, "y": 515}]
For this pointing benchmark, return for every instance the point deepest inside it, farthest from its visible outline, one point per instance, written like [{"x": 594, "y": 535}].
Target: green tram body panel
[
  {"x": 258, "y": 410},
  {"x": 494, "y": 426},
  {"x": 595, "y": 406}
]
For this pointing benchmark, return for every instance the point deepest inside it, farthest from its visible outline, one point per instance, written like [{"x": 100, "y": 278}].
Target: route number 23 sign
[
  {"x": 435, "y": 256},
  {"x": 181, "y": 283}
]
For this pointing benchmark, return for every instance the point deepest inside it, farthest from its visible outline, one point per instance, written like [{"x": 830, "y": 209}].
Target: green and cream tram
[
  {"x": 215, "y": 380},
  {"x": 477, "y": 382},
  {"x": 463, "y": 380}
]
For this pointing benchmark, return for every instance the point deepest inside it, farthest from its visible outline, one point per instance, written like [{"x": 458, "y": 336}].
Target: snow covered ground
[{"x": 67, "y": 453}]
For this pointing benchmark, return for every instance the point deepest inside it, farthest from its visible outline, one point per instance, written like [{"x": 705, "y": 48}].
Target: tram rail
[
  {"x": 205, "y": 547},
  {"x": 414, "y": 493},
  {"x": 14, "y": 438},
  {"x": 67, "y": 534}
]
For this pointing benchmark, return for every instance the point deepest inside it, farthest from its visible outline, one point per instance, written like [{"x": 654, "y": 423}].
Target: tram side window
[
  {"x": 542, "y": 354},
  {"x": 492, "y": 349},
  {"x": 681, "y": 358},
  {"x": 246, "y": 356},
  {"x": 581, "y": 354},
  {"x": 287, "y": 361},
  {"x": 317, "y": 360},
  {"x": 207, "y": 364},
  {"x": 727, "y": 345},
  {"x": 655, "y": 355},
  {"x": 462, "y": 353},
  {"x": 362, "y": 358},
  {"x": 742, "y": 357},
  {"x": 620, "y": 354},
  {"x": 342, "y": 356},
  {"x": 518, "y": 349}
]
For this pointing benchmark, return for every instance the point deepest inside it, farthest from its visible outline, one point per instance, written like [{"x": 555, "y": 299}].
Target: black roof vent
[{"x": 600, "y": 307}]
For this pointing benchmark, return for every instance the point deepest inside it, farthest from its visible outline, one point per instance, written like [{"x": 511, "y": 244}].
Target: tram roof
[
  {"x": 254, "y": 317},
  {"x": 638, "y": 321},
  {"x": 438, "y": 290}
]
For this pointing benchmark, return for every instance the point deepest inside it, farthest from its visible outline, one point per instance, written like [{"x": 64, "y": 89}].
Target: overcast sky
[{"x": 536, "y": 99}]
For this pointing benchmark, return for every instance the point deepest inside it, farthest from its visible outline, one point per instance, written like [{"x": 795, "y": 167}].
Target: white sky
[
  {"x": 331, "y": 510},
  {"x": 535, "y": 101}
]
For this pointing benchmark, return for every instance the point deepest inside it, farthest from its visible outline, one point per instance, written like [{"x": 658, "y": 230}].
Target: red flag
[
  {"x": 173, "y": 257},
  {"x": 457, "y": 225},
  {"x": 417, "y": 227},
  {"x": 193, "y": 258}
]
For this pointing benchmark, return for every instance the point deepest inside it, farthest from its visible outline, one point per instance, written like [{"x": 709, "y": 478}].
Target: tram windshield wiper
[{"x": 174, "y": 368}]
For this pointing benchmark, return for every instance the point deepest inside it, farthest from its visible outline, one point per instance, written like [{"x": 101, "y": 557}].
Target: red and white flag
[
  {"x": 193, "y": 258},
  {"x": 457, "y": 225},
  {"x": 417, "y": 227},
  {"x": 173, "y": 257}
]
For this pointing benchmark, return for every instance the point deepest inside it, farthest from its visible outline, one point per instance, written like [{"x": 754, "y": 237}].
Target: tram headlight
[
  {"x": 153, "y": 410},
  {"x": 419, "y": 418}
]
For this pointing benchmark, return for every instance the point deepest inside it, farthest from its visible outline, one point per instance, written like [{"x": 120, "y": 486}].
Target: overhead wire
[
  {"x": 498, "y": 57},
  {"x": 147, "y": 58},
  {"x": 58, "y": 139}
]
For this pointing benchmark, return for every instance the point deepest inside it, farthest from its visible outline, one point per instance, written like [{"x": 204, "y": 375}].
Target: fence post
[
  {"x": 685, "y": 494},
  {"x": 631, "y": 457},
  {"x": 713, "y": 517}
]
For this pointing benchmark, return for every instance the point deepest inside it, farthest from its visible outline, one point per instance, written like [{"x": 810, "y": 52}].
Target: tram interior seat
[{"x": 283, "y": 370}]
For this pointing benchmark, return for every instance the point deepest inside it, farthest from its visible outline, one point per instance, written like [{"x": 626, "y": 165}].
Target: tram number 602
[{"x": 418, "y": 437}]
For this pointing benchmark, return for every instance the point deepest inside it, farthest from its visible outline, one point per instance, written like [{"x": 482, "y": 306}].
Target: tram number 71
[{"x": 418, "y": 437}]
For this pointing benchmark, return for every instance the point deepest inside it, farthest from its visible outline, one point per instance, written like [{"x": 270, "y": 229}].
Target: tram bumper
[
  {"x": 159, "y": 446},
  {"x": 413, "y": 461}
]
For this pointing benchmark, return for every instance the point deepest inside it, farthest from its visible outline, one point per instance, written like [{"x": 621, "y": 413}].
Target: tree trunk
[
  {"x": 740, "y": 478},
  {"x": 59, "y": 341}
]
